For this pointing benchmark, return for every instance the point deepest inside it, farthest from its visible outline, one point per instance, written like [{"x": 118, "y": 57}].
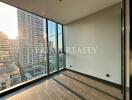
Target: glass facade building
[{"x": 37, "y": 51}]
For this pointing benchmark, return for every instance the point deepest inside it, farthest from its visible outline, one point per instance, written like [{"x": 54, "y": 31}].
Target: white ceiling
[{"x": 63, "y": 12}]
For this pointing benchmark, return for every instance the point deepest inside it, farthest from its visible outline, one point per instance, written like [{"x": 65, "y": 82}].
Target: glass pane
[
  {"x": 22, "y": 46},
  {"x": 32, "y": 45},
  {"x": 60, "y": 49},
  {"x": 52, "y": 46}
]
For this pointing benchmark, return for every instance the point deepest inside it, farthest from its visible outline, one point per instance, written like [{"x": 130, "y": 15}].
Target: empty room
[{"x": 64, "y": 50}]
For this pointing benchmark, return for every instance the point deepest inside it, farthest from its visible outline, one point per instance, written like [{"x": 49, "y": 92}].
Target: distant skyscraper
[
  {"x": 31, "y": 38},
  {"x": 13, "y": 48},
  {"x": 4, "y": 48}
]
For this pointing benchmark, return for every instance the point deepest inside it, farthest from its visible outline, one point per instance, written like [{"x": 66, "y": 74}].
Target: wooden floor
[{"x": 67, "y": 85}]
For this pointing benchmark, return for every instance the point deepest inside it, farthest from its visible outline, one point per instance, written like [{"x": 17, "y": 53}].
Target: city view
[{"x": 23, "y": 46}]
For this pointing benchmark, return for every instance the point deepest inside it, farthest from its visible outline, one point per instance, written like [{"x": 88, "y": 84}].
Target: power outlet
[{"x": 107, "y": 75}]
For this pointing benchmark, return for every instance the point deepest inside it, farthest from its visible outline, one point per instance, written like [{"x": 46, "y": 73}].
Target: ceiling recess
[{"x": 60, "y": 0}]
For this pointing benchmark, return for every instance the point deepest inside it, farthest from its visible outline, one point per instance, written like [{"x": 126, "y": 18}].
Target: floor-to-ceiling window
[
  {"x": 25, "y": 41},
  {"x": 52, "y": 46},
  {"x": 60, "y": 46},
  {"x": 31, "y": 44}
]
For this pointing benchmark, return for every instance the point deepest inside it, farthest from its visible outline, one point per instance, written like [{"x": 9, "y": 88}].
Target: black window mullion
[
  {"x": 63, "y": 39},
  {"x": 47, "y": 47},
  {"x": 63, "y": 47},
  {"x": 57, "y": 53}
]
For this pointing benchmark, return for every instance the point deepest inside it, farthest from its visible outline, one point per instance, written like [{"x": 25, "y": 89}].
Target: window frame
[{"x": 43, "y": 76}]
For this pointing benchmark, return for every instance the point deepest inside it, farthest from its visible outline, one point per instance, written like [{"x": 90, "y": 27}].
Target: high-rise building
[
  {"x": 31, "y": 39},
  {"x": 4, "y": 48},
  {"x": 13, "y": 43},
  {"x": 9, "y": 71}
]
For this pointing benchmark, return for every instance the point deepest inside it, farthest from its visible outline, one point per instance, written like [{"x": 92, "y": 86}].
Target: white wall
[{"x": 101, "y": 30}]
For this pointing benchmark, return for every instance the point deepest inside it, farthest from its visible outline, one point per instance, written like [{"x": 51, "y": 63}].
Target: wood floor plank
[
  {"x": 87, "y": 92},
  {"x": 75, "y": 87},
  {"x": 48, "y": 90},
  {"x": 106, "y": 88}
]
